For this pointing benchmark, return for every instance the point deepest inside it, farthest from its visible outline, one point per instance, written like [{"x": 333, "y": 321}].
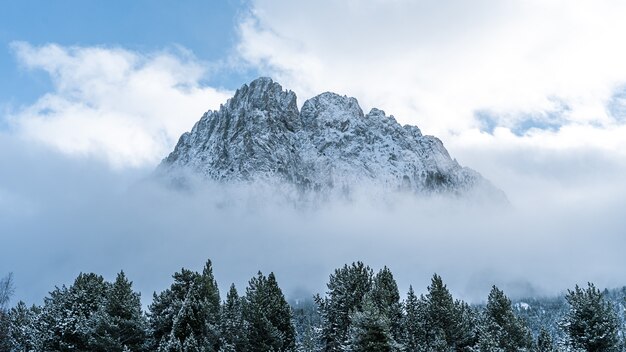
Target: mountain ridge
[{"x": 328, "y": 145}]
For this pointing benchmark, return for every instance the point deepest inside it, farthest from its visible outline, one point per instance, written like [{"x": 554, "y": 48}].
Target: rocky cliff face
[{"x": 328, "y": 146}]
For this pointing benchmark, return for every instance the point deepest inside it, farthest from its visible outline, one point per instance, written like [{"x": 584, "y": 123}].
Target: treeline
[{"x": 361, "y": 311}]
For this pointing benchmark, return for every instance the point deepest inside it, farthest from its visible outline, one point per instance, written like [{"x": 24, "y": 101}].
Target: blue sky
[
  {"x": 207, "y": 28},
  {"x": 93, "y": 94}
]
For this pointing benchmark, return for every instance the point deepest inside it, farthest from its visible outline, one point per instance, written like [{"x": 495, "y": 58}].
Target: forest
[{"x": 362, "y": 310}]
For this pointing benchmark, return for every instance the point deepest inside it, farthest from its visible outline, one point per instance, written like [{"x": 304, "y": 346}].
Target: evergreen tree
[
  {"x": 347, "y": 288},
  {"x": 24, "y": 332},
  {"x": 307, "y": 322},
  {"x": 267, "y": 317},
  {"x": 120, "y": 323},
  {"x": 190, "y": 308},
  {"x": 6, "y": 291},
  {"x": 467, "y": 330},
  {"x": 447, "y": 324},
  {"x": 211, "y": 306},
  {"x": 501, "y": 325},
  {"x": 370, "y": 330},
  {"x": 412, "y": 323},
  {"x": 386, "y": 297},
  {"x": 591, "y": 323},
  {"x": 544, "y": 342},
  {"x": 66, "y": 317},
  {"x": 232, "y": 325}
]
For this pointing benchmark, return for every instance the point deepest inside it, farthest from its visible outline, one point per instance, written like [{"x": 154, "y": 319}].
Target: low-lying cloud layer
[{"x": 63, "y": 215}]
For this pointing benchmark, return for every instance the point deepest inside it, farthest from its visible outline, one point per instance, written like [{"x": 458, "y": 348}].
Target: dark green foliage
[
  {"x": 267, "y": 316},
  {"x": 24, "y": 332},
  {"x": 591, "y": 323},
  {"x": 502, "y": 327},
  {"x": 308, "y": 324},
  {"x": 543, "y": 313},
  {"x": 347, "y": 288},
  {"x": 120, "y": 323},
  {"x": 446, "y": 324},
  {"x": 386, "y": 297},
  {"x": 361, "y": 312},
  {"x": 188, "y": 310},
  {"x": 90, "y": 315},
  {"x": 370, "y": 330},
  {"x": 67, "y": 315},
  {"x": 6, "y": 291},
  {"x": 414, "y": 331},
  {"x": 232, "y": 324},
  {"x": 545, "y": 342}
]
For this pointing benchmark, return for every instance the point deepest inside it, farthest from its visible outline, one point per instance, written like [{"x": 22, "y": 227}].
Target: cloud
[
  {"x": 71, "y": 215},
  {"x": 529, "y": 93},
  {"x": 125, "y": 107},
  {"x": 436, "y": 63}
]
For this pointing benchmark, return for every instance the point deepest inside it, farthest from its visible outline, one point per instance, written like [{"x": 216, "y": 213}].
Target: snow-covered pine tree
[
  {"x": 386, "y": 297},
  {"x": 347, "y": 288},
  {"x": 24, "y": 334},
  {"x": 211, "y": 305},
  {"x": 66, "y": 317},
  {"x": 232, "y": 325},
  {"x": 267, "y": 317},
  {"x": 448, "y": 324},
  {"x": 6, "y": 291},
  {"x": 189, "y": 308},
  {"x": 500, "y": 324},
  {"x": 166, "y": 305},
  {"x": 545, "y": 342},
  {"x": 308, "y": 325},
  {"x": 412, "y": 323},
  {"x": 120, "y": 323},
  {"x": 591, "y": 323},
  {"x": 370, "y": 330}
]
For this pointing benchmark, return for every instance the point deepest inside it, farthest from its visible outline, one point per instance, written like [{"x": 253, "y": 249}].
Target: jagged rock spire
[{"x": 259, "y": 135}]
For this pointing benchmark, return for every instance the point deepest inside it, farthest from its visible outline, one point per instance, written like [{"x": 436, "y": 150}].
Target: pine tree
[
  {"x": 210, "y": 294},
  {"x": 448, "y": 324},
  {"x": 467, "y": 330},
  {"x": 6, "y": 291},
  {"x": 544, "y": 342},
  {"x": 120, "y": 323},
  {"x": 347, "y": 288},
  {"x": 370, "y": 330},
  {"x": 308, "y": 325},
  {"x": 509, "y": 332},
  {"x": 188, "y": 309},
  {"x": 386, "y": 297},
  {"x": 267, "y": 316},
  {"x": 232, "y": 324},
  {"x": 66, "y": 317},
  {"x": 591, "y": 323},
  {"x": 23, "y": 332},
  {"x": 412, "y": 323}
]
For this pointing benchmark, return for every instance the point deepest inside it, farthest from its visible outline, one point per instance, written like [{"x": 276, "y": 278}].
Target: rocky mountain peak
[
  {"x": 265, "y": 95},
  {"x": 330, "y": 145}
]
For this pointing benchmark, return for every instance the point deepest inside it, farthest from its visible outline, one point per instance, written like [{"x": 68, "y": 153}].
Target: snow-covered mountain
[{"x": 328, "y": 146}]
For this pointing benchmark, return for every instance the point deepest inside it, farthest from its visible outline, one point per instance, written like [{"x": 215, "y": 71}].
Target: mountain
[{"x": 328, "y": 146}]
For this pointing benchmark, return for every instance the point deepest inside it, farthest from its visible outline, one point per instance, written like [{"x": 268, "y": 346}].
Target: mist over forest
[{"x": 73, "y": 216}]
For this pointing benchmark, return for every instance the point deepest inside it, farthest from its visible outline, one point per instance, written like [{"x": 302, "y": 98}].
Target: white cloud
[
  {"x": 126, "y": 107},
  {"x": 435, "y": 63},
  {"x": 546, "y": 75},
  {"x": 578, "y": 163}
]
